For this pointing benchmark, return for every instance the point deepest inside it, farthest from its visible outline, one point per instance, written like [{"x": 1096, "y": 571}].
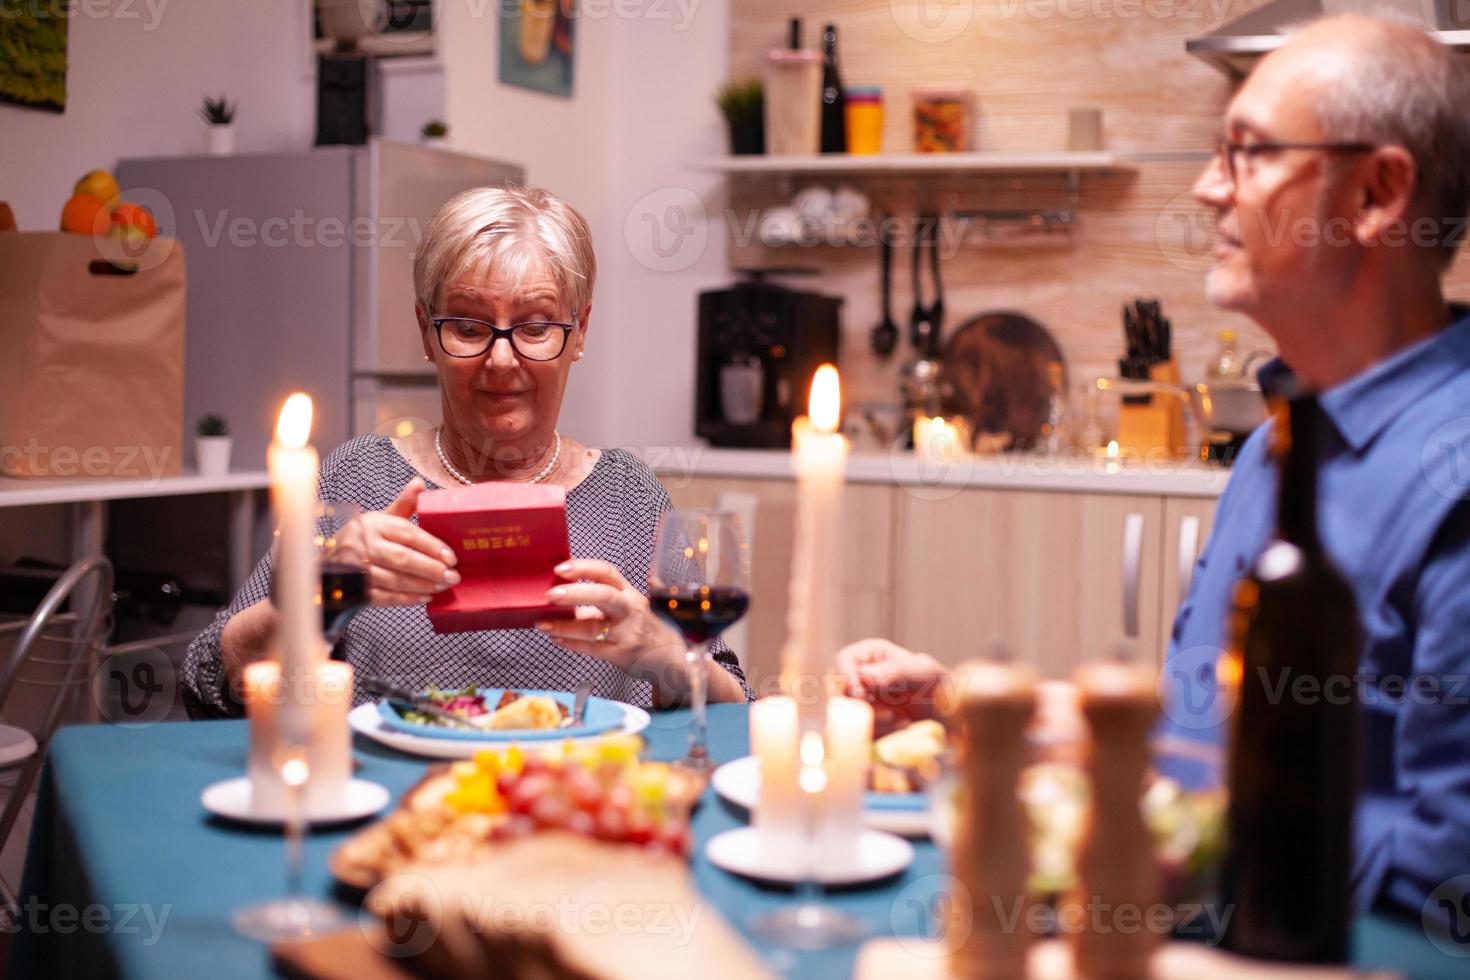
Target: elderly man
[{"x": 1340, "y": 188}]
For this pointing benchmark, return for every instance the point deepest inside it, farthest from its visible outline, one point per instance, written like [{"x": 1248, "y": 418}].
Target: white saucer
[
  {"x": 739, "y": 851},
  {"x": 366, "y": 720},
  {"x": 231, "y": 798},
  {"x": 739, "y": 782}
]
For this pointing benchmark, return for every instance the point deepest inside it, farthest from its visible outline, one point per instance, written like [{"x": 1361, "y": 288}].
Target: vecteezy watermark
[
  {"x": 667, "y": 230},
  {"x": 1209, "y": 14},
  {"x": 135, "y": 687},
  {"x": 1445, "y": 458},
  {"x": 932, "y": 21},
  {"x": 1191, "y": 692},
  {"x": 1446, "y": 917},
  {"x": 148, "y": 11},
  {"x": 62, "y": 919},
  {"x": 404, "y": 914},
  {"x": 302, "y": 230},
  {"x": 38, "y": 460},
  {"x": 679, "y": 13}
]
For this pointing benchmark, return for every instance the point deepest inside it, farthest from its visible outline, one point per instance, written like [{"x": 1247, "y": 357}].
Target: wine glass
[
  {"x": 344, "y": 569},
  {"x": 294, "y": 916},
  {"x": 699, "y": 583}
]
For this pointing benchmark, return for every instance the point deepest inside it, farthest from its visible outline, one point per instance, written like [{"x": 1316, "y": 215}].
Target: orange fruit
[
  {"x": 135, "y": 216},
  {"x": 98, "y": 183},
  {"x": 85, "y": 215}
]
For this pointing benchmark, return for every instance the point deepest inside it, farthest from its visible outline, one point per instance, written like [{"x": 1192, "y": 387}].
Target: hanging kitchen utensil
[
  {"x": 926, "y": 321},
  {"x": 885, "y": 335},
  {"x": 996, "y": 375}
]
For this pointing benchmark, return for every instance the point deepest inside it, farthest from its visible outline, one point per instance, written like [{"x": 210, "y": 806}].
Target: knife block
[{"x": 1149, "y": 430}]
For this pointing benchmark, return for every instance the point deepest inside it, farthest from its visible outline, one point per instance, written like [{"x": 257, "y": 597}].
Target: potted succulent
[
  {"x": 434, "y": 133},
  {"x": 212, "y": 445},
  {"x": 743, "y": 106},
  {"x": 219, "y": 131}
]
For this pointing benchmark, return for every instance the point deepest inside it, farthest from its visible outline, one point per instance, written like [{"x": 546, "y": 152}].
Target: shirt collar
[{"x": 1363, "y": 405}]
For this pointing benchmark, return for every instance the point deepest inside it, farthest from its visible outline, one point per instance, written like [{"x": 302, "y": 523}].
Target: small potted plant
[
  {"x": 219, "y": 131},
  {"x": 212, "y": 445},
  {"x": 743, "y": 104},
  {"x": 434, "y": 133}
]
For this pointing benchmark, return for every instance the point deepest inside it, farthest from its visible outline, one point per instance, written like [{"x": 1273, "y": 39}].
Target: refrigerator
[{"x": 300, "y": 276}]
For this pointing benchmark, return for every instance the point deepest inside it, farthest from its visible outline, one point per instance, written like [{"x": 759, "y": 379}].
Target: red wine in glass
[
  {"x": 700, "y": 612},
  {"x": 344, "y": 594}
]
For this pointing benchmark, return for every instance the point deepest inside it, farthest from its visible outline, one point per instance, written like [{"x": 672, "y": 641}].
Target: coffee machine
[{"x": 759, "y": 345}]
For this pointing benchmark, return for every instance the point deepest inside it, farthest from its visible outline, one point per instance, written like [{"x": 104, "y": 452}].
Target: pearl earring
[{"x": 578, "y": 357}]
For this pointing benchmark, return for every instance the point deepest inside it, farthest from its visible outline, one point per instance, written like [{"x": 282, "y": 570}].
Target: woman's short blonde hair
[{"x": 509, "y": 233}]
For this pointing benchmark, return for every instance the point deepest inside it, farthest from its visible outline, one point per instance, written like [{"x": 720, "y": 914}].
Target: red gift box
[{"x": 509, "y": 538}]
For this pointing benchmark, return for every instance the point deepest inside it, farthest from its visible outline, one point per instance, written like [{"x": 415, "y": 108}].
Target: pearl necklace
[{"x": 449, "y": 467}]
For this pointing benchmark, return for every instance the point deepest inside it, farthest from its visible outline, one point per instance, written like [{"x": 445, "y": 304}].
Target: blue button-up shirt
[{"x": 1394, "y": 517}]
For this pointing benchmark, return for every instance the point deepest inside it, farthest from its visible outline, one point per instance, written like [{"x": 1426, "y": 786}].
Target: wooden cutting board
[{"x": 551, "y": 905}]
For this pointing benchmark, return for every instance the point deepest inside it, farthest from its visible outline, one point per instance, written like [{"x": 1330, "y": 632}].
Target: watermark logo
[
  {"x": 1446, "y": 917},
  {"x": 400, "y": 917},
  {"x": 1185, "y": 233},
  {"x": 667, "y": 230},
  {"x": 1192, "y": 693},
  {"x": 928, "y": 906},
  {"x": 932, "y": 21},
  {"x": 135, "y": 687},
  {"x": 1445, "y": 458}
]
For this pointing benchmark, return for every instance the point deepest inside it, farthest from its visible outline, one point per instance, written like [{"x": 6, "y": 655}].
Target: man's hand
[{"x": 902, "y": 685}]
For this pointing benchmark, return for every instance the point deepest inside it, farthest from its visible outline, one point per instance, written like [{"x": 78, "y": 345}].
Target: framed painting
[
  {"x": 33, "y": 54},
  {"x": 536, "y": 44}
]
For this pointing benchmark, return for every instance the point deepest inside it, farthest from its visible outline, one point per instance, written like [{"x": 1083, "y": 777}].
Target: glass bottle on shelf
[
  {"x": 1225, "y": 365},
  {"x": 1056, "y": 431},
  {"x": 834, "y": 96}
]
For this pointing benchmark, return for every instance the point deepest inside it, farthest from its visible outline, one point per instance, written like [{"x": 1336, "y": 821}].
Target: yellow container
[{"x": 864, "y": 121}]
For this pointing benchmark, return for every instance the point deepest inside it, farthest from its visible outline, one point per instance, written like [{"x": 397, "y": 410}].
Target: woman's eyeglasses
[{"x": 534, "y": 340}]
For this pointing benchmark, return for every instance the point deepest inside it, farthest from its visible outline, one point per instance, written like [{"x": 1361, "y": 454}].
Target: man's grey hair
[{"x": 1400, "y": 86}]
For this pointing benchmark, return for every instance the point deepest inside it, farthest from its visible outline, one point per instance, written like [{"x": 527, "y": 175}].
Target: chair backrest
[{"x": 89, "y": 582}]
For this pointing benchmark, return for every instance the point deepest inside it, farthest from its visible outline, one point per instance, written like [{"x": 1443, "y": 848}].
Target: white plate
[
  {"x": 231, "y": 798},
  {"x": 740, "y": 852},
  {"x": 739, "y": 782},
  {"x": 365, "y": 720}
]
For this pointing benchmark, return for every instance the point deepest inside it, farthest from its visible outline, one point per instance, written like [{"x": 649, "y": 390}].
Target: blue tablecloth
[{"x": 128, "y": 876}]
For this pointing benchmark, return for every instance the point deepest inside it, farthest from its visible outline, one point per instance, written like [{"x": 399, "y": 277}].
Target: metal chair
[{"x": 89, "y": 630}]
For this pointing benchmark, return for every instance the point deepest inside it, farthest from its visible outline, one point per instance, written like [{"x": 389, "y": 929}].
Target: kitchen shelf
[{"x": 1071, "y": 162}]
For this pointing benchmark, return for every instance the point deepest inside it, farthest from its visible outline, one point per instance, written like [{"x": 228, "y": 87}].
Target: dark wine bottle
[
  {"x": 834, "y": 96},
  {"x": 1293, "y": 770}
]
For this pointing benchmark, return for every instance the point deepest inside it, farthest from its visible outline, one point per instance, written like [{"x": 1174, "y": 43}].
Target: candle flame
[
  {"x": 813, "y": 750},
  {"x": 825, "y": 404},
  {"x": 1113, "y": 447},
  {"x": 293, "y": 426}
]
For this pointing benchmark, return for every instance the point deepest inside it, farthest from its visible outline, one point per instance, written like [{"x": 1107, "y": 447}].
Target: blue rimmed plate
[{"x": 602, "y": 716}]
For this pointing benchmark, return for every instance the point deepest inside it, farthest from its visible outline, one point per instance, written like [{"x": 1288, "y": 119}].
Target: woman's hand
[
  {"x": 901, "y": 684},
  {"x": 615, "y": 623},
  {"x": 406, "y": 564}
]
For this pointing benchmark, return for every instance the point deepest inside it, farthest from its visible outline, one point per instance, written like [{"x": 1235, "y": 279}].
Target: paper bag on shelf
[{"x": 91, "y": 357}]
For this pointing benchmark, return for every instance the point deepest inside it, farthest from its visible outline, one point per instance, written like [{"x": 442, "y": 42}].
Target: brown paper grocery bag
[{"x": 91, "y": 356}]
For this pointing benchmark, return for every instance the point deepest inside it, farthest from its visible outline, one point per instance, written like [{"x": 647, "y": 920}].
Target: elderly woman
[{"x": 503, "y": 281}]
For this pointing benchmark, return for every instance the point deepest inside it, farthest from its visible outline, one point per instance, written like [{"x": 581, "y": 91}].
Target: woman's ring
[{"x": 604, "y": 633}]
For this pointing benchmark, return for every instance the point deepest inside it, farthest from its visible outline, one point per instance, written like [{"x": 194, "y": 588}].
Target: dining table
[{"x": 128, "y": 876}]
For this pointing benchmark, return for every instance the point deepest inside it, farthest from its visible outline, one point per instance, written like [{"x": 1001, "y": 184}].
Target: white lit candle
[
  {"x": 293, "y": 471},
  {"x": 774, "y": 737},
  {"x": 849, "y": 755},
  {"x": 938, "y": 439},
  {"x": 323, "y": 698},
  {"x": 821, "y": 467}
]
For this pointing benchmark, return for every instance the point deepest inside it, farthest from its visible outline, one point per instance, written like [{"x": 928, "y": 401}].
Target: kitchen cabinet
[
  {"x": 865, "y": 571},
  {"x": 1187, "y": 526},
  {"x": 1043, "y": 571}
]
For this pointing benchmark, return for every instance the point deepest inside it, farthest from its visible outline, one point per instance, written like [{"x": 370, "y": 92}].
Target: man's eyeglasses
[
  {"x": 534, "y": 340},
  {"x": 1228, "y": 152}
]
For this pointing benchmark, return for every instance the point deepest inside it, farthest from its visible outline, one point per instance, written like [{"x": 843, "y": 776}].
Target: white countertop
[
  {"x": 1021, "y": 471},
  {"x": 16, "y": 492}
]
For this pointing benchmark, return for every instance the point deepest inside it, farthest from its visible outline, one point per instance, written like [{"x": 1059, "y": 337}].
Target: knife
[{"x": 401, "y": 700}]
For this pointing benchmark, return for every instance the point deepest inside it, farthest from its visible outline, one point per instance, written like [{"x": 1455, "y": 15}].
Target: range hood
[{"x": 1234, "y": 48}]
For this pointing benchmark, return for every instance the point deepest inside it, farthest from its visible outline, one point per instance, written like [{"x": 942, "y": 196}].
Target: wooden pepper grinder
[
  {"x": 1118, "y": 881},
  {"x": 990, "y": 702}
]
